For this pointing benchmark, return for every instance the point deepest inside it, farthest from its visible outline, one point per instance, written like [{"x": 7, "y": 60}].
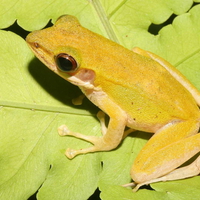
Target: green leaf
[
  {"x": 35, "y": 102},
  {"x": 182, "y": 189}
]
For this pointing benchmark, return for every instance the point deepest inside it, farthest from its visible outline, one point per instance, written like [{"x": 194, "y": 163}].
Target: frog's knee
[{"x": 140, "y": 175}]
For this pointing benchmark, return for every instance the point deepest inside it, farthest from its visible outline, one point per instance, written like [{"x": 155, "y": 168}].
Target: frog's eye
[{"x": 66, "y": 63}]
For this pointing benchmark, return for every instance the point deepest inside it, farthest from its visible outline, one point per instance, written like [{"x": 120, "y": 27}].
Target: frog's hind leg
[
  {"x": 165, "y": 151},
  {"x": 181, "y": 173}
]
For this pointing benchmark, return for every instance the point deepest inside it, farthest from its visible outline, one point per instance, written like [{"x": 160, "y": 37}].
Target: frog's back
[{"x": 148, "y": 92}]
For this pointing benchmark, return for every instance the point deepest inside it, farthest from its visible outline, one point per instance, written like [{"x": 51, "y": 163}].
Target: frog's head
[
  {"x": 77, "y": 54},
  {"x": 58, "y": 47}
]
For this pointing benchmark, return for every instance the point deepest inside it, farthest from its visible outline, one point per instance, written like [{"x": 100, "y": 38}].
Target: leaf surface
[{"x": 35, "y": 102}]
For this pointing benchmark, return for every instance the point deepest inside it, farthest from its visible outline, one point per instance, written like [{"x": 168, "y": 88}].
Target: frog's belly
[
  {"x": 150, "y": 123},
  {"x": 144, "y": 120}
]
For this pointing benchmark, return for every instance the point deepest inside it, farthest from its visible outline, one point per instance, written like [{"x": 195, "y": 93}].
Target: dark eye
[{"x": 66, "y": 63}]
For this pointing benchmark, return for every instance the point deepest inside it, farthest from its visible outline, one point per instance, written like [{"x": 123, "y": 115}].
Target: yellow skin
[{"x": 137, "y": 89}]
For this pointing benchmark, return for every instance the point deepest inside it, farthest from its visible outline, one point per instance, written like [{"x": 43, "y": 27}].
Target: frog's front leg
[
  {"x": 109, "y": 140},
  {"x": 169, "y": 148},
  {"x": 101, "y": 117}
]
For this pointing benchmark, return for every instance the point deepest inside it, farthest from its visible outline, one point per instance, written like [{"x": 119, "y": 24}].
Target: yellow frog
[{"x": 136, "y": 89}]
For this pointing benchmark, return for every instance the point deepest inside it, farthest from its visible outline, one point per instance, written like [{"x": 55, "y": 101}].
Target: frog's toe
[
  {"x": 63, "y": 130},
  {"x": 71, "y": 153}
]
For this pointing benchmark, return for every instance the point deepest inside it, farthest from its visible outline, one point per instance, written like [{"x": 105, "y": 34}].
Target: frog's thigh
[
  {"x": 109, "y": 140},
  {"x": 184, "y": 172},
  {"x": 166, "y": 151}
]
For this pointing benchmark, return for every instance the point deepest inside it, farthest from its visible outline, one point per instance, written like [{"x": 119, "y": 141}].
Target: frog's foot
[
  {"x": 64, "y": 131},
  {"x": 134, "y": 185},
  {"x": 71, "y": 153},
  {"x": 79, "y": 100}
]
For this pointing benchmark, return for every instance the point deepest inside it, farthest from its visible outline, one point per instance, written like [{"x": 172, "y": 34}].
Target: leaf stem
[{"x": 104, "y": 19}]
